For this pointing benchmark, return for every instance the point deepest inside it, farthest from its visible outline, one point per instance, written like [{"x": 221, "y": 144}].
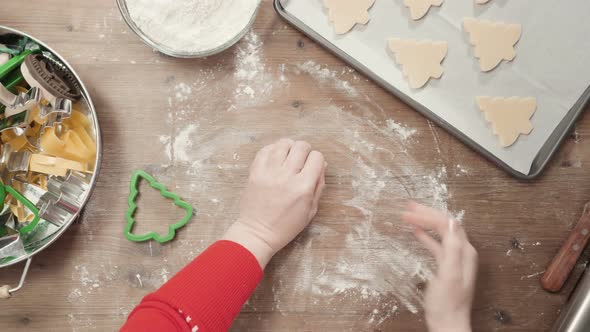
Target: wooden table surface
[{"x": 196, "y": 124}]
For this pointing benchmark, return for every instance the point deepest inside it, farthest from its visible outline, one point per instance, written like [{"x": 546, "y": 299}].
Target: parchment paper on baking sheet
[{"x": 552, "y": 62}]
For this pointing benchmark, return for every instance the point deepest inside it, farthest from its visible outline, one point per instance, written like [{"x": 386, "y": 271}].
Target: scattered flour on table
[
  {"x": 324, "y": 75},
  {"x": 375, "y": 261},
  {"x": 378, "y": 263},
  {"x": 183, "y": 142},
  {"x": 251, "y": 78},
  {"x": 403, "y": 132},
  {"x": 80, "y": 322},
  {"x": 182, "y": 91},
  {"x": 461, "y": 170},
  {"x": 190, "y": 26}
]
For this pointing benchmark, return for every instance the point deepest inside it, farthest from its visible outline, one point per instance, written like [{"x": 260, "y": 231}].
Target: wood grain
[{"x": 92, "y": 277}]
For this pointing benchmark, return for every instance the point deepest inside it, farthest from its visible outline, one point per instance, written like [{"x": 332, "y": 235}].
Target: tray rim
[
  {"x": 541, "y": 160},
  {"x": 97, "y": 164}
]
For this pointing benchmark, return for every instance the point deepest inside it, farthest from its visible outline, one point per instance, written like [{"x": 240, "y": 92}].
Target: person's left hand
[{"x": 282, "y": 196}]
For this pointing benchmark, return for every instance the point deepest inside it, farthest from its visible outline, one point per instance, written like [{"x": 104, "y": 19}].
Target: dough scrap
[
  {"x": 510, "y": 117},
  {"x": 419, "y": 8},
  {"x": 4, "y": 292},
  {"x": 420, "y": 60},
  {"x": 493, "y": 41},
  {"x": 346, "y": 13}
]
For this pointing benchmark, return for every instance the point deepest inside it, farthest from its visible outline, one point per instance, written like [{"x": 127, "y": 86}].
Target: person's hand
[
  {"x": 285, "y": 184},
  {"x": 449, "y": 295}
]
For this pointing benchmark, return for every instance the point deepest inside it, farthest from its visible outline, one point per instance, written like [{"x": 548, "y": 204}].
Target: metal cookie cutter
[
  {"x": 10, "y": 77},
  {"x": 64, "y": 197},
  {"x": 129, "y": 216},
  {"x": 21, "y": 102},
  {"x": 55, "y": 113},
  {"x": 13, "y": 161}
]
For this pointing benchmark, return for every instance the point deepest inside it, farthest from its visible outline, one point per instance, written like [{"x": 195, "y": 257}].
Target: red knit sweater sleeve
[{"x": 205, "y": 296}]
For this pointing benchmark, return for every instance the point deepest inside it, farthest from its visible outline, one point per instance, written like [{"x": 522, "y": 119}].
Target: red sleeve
[{"x": 205, "y": 296}]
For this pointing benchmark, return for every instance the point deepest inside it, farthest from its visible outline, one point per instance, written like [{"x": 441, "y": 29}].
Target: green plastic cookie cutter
[
  {"x": 4, "y": 190},
  {"x": 132, "y": 207}
]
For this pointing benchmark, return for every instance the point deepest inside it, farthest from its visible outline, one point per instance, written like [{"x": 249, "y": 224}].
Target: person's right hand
[
  {"x": 282, "y": 196},
  {"x": 449, "y": 295}
]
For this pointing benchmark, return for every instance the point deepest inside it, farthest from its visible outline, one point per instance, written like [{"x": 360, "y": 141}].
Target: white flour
[
  {"x": 251, "y": 79},
  {"x": 324, "y": 75},
  {"x": 378, "y": 263},
  {"x": 402, "y": 131},
  {"x": 192, "y": 25}
]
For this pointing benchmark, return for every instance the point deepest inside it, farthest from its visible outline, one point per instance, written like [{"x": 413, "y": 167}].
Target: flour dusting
[
  {"x": 378, "y": 263},
  {"x": 251, "y": 78},
  {"x": 326, "y": 76},
  {"x": 182, "y": 91},
  {"x": 403, "y": 132},
  {"x": 183, "y": 142},
  {"x": 369, "y": 258},
  {"x": 192, "y": 26}
]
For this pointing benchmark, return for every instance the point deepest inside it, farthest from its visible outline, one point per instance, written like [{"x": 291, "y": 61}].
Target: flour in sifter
[{"x": 192, "y": 26}]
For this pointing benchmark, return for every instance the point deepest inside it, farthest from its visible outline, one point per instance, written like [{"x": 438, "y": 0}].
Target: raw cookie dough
[
  {"x": 420, "y": 60},
  {"x": 510, "y": 117},
  {"x": 481, "y": 2},
  {"x": 493, "y": 41},
  {"x": 346, "y": 13},
  {"x": 419, "y": 8}
]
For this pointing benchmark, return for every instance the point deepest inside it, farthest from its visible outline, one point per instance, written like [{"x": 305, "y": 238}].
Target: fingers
[
  {"x": 453, "y": 247},
  {"x": 312, "y": 170},
  {"x": 319, "y": 190},
  {"x": 429, "y": 243},
  {"x": 297, "y": 156},
  {"x": 261, "y": 156},
  {"x": 456, "y": 257},
  {"x": 280, "y": 150},
  {"x": 426, "y": 218},
  {"x": 321, "y": 181},
  {"x": 470, "y": 265}
]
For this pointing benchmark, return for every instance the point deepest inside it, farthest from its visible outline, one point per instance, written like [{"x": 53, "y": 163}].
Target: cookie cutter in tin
[
  {"x": 64, "y": 197},
  {"x": 55, "y": 113},
  {"x": 21, "y": 102}
]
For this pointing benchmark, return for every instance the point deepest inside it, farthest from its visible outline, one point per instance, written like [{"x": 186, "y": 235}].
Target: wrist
[{"x": 246, "y": 237}]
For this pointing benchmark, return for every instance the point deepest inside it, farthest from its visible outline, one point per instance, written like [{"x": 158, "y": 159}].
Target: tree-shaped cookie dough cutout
[
  {"x": 419, "y": 8},
  {"x": 493, "y": 41},
  {"x": 344, "y": 14},
  {"x": 420, "y": 60},
  {"x": 509, "y": 117}
]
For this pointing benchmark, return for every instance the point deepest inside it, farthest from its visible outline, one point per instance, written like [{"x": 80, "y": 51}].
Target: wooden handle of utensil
[{"x": 562, "y": 264}]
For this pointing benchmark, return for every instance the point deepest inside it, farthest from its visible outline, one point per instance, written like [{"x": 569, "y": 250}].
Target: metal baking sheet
[{"x": 552, "y": 65}]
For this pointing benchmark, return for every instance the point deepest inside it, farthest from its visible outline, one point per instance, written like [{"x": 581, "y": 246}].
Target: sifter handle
[{"x": 562, "y": 264}]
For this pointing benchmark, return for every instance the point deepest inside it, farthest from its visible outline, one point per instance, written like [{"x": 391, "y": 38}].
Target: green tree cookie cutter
[
  {"x": 4, "y": 190},
  {"x": 132, "y": 207}
]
